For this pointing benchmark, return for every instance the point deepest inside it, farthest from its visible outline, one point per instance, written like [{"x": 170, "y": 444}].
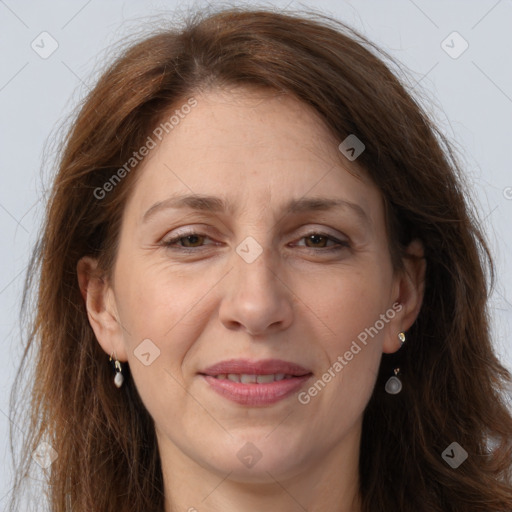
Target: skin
[{"x": 297, "y": 301}]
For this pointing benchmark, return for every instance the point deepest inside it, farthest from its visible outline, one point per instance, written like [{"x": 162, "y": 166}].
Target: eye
[
  {"x": 317, "y": 240},
  {"x": 314, "y": 240},
  {"x": 186, "y": 240}
]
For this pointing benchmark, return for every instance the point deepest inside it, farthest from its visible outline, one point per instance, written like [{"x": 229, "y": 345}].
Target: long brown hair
[{"x": 453, "y": 383}]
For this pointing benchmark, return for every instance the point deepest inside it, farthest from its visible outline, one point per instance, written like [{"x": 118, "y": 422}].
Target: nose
[{"x": 256, "y": 298}]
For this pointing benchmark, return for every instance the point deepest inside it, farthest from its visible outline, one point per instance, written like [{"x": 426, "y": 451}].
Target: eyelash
[{"x": 340, "y": 243}]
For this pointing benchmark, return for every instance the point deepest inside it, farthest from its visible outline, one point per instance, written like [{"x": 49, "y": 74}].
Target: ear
[
  {"x": 408, "y": 293},
  {"x": 101, "y": 308}
]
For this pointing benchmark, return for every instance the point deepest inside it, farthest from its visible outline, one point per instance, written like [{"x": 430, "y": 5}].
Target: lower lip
[{"x": 256, "y": 394}]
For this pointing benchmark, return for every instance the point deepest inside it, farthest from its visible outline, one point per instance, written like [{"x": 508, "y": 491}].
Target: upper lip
[{"x": 262, "y": 367}]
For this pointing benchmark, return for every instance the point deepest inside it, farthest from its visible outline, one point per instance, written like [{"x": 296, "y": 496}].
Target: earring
[
  {"x": 394, "y": 384},
  {"x": 401, "y": 337},
  {"x": 119, "y": 378}
]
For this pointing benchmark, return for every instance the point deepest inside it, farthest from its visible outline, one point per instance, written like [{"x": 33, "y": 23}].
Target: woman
[{"x": 260, "y": 230}]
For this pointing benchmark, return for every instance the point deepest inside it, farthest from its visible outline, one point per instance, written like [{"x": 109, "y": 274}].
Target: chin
[{"x": 250, "y": 460}]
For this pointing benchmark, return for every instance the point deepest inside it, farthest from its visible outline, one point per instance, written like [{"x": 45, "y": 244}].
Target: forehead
[
  {"x": 251, "y": 145},
  {"x": 240, "y": 123}
]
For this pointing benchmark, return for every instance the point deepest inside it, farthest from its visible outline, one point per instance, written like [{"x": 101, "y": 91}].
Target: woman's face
[{"x": 286, "y": 262}]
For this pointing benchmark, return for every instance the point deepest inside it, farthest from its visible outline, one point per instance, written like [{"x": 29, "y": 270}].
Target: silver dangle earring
[
  {"x": 119, "y": 378},
  {"x": 394, "y": 384}
]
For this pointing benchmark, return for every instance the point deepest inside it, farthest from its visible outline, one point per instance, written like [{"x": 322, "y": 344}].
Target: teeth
[
  {"x": 261, "y": 379},
  {"x": 245, "y": 378}
]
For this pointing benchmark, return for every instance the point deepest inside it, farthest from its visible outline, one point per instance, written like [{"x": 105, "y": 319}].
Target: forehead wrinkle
[{"x": 213, "y": 204}]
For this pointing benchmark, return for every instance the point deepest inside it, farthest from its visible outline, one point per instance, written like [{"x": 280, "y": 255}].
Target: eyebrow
[{"x": 218, "y": 205}]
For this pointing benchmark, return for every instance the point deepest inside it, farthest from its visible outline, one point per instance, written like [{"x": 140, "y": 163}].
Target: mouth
[
  {"x": 255, "y": 383},
  {"x": 246, "y": 367},
  {"x": 246, "y": 378}
]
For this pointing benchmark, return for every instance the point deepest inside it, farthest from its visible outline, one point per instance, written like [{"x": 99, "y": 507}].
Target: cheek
[
  {"x": 353, "y": 314},
  {"x": 160, "y": 313},
  {"x": 156, "y": 299},
  {"x": 164, "y": 311},
  {"x": 154, "y": 309},
  {"x": 346, "y": 301}
]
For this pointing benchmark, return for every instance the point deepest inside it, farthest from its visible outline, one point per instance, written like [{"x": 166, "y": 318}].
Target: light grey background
[{"x": 470, "y": 96}]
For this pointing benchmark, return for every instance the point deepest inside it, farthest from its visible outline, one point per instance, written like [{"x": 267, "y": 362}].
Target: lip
[
  {"x": 256, "y": 394},
  {"x": 263, "y": 367}
]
